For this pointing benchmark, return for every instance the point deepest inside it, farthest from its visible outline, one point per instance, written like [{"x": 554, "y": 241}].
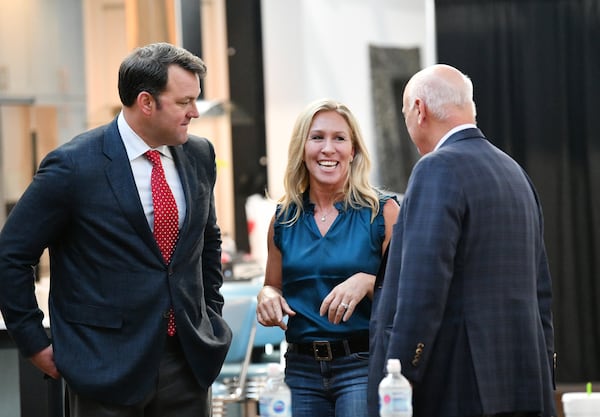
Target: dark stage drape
[{"x": 535, "y": 66}]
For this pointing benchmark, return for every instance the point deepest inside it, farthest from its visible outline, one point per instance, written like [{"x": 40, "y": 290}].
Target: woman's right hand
[{"x": 272, "y": 307}]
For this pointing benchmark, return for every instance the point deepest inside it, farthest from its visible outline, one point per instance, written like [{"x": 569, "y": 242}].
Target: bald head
[
  {"x": 446, "y": 92},
  {"x": 436, "y": 99}
]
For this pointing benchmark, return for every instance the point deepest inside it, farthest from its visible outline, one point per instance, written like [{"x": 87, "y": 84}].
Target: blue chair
[
  {"x": 264, "y": 335},
  {"x": 240, "y": 315},
  {"x": 235, "y": 393}
]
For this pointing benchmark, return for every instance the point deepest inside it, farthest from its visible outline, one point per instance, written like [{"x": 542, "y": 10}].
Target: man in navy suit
[
  {"x": 465, "y": 298},
  {"x": 111, "y": 289}
]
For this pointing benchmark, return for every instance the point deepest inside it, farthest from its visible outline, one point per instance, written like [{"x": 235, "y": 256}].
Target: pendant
[{"x": 323, "y": 218}]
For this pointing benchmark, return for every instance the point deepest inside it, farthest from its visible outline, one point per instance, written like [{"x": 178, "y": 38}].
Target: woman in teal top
[{"x": 325, "y": 244}]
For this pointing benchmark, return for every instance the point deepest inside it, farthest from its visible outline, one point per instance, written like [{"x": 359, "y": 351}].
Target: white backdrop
[{"x": 320, "y": 48}]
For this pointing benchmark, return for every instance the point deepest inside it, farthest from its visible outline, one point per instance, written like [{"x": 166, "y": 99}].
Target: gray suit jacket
[
  {"x": 110, "y": 287},
  {"x": 464, "y": 302}
]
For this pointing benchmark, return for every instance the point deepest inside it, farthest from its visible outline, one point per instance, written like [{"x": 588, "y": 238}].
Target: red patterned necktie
[{"x": 166, "y": 218}]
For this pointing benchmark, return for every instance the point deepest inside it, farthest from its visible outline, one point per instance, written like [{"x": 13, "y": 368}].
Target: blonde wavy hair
[{"x": 357, "y": 190}]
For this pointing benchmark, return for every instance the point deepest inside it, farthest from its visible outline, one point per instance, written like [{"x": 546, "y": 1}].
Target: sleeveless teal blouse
[{"x": 312, "y": 265}]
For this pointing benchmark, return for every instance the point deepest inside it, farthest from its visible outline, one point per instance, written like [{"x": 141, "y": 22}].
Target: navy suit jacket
[
  {"x": 464, "y": 301},
  {"x": 109, "y": 285}
]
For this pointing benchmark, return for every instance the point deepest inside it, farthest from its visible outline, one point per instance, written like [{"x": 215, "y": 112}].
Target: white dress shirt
[{"x": 142, "y": 171}]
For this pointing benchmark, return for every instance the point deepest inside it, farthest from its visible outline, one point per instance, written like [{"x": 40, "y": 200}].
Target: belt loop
[{"x": 346, "y": 345}]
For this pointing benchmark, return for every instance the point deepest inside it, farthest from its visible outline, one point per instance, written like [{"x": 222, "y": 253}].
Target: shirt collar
[
  {"x": 135, "y": 145},
  {"x": 453, "y": 131}
]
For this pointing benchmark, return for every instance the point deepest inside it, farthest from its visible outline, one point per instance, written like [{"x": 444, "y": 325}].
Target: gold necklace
[{"x": 324, "y": 215}]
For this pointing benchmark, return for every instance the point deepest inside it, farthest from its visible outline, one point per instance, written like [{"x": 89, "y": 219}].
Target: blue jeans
[{"x": 336, "y": 388}]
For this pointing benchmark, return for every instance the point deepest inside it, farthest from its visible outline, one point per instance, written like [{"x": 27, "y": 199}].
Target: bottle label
[
  {"x": 396, "y": 402},
  {"x": 279, "y": 407}
]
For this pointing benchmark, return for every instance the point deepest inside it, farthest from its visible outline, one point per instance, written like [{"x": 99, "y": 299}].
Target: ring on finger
[{"x": 345, "y": 306}]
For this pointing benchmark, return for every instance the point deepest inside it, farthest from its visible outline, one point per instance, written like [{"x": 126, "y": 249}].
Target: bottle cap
[
  {"x": 273, "y": 369},
  {"x": 393, "y": 365}
]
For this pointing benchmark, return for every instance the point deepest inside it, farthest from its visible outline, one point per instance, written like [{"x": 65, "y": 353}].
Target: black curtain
[
  {"x": 246, "y": 91},
  {"x": 535, "y": 66}
]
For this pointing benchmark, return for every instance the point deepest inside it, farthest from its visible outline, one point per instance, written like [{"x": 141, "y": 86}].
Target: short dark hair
[{"x": 146, "y": 69}]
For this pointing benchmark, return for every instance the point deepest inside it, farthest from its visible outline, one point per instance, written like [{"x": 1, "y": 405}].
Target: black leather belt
[{"x": 323, "y": 350}]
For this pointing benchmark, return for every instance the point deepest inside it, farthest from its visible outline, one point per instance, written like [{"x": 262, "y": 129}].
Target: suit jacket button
[
  {"x": 415, "y": 362},
  {"x": 166, "y": 314}
]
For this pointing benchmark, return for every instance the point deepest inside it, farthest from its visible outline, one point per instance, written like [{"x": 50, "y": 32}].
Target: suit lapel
[
  {"x": 120, "y": 177},
  {"x": 185, "y": 170},
  {"x": 189, "y": 183}
]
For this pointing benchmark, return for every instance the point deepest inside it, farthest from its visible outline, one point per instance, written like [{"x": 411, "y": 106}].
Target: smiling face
[
  {"x": 328, "y": 150},
  {"x": 175, "y": 108}
]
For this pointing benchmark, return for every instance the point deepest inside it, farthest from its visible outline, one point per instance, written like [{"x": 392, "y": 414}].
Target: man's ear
[
  {"x": 421, "y": 110},
  {"x": 146, "y": 102}
]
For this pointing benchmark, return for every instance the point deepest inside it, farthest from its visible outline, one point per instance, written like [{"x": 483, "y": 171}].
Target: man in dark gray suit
[
  {"x": 465, "y": 299},
  {"x": 113, "y": 288}
]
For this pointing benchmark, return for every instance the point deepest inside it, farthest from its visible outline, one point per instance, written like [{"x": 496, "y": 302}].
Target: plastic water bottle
[
  {"x": 275, "y": 399},
  {"x": 395, "y": 392}
]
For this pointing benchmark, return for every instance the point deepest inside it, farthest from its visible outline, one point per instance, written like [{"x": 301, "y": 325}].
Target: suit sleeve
[
  {"x": 431, "y": 219},
  {"x": 544, "y": 288},
  {"x": 544, "y": 292},
  {"x": 38, "y": 217},
  {"x": 545, "y": 305},
  {"x": 211, "y": 255}
]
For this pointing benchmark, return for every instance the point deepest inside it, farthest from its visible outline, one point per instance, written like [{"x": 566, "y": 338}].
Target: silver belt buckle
[{"x": 322, "y": 351}]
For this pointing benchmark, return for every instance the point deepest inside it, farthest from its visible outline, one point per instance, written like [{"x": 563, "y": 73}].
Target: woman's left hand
[{"x": 343, "y": 299}]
